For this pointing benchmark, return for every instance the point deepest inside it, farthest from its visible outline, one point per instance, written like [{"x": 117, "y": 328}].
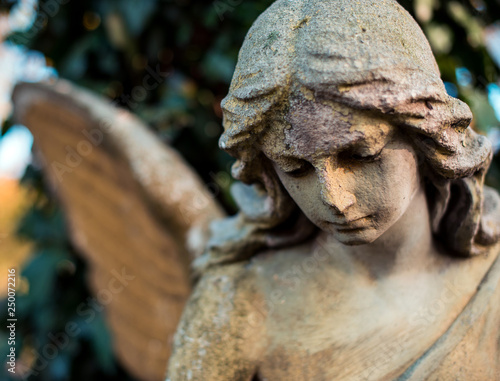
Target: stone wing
[{"x": 136, "y": 211}]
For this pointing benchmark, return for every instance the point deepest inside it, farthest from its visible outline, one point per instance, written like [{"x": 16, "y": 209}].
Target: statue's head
[
  {"x": 339, "y": 104},
  {"x": 352, "y": 172}
]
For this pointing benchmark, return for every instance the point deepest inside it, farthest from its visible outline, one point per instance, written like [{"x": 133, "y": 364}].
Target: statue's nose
[{"x": 333, "y": 189}]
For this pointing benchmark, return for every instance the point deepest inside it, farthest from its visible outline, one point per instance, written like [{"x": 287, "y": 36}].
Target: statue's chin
[{"x": 355, "y": 237}]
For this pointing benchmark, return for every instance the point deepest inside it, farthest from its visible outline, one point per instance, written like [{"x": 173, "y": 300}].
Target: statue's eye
[
  {"x": 303, "y": 169},
  {"x": 365, "y": 158}
]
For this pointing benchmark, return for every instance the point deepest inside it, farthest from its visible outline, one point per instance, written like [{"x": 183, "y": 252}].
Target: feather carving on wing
[{"x": 137, "y": 212}]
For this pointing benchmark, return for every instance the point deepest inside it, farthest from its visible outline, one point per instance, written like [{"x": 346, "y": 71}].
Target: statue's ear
[{"x": 131, "y": 202}]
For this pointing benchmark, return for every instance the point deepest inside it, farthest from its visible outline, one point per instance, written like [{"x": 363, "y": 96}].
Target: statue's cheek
[{"x": 393, "y": 184}]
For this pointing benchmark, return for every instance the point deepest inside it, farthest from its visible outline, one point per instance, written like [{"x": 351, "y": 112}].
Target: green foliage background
[{"x": 109, "y": 46}]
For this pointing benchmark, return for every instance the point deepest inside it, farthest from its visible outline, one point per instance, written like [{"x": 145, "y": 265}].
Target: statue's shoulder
[
  {"x": 470, "y": 348},
  {"x": 215, "y": 339},
  {"x": 222, "y": 292}
]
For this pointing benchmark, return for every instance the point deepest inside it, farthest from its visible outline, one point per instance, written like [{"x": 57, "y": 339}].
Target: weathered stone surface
[{"x": 386, "y": 263}]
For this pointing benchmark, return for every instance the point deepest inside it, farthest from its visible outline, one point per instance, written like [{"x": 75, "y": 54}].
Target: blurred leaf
[
  {"x": 218, "y": 67},
  {"x": 102, "y": 343},
  {"x": 60, "y": 367},
  {"x": 75, "y": 64},
  {"x": 484, "y": 114},
  {"x": 41, "y": 273},
  {"x": 45, "y": 226},
  {"x": 137, "y": 14}
]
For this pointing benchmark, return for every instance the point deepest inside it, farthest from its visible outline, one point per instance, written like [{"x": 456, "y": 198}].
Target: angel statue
[{"x": 366, "y": 243}]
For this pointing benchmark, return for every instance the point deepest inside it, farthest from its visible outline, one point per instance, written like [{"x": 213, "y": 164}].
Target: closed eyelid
[
  {"x": 291, "y": 165},
  {"x": 369, "y": 146},
  {"x": 371, "y": 150}
]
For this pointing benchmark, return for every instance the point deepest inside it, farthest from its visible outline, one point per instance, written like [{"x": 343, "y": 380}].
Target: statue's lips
[{"x": 357, "y": 223}]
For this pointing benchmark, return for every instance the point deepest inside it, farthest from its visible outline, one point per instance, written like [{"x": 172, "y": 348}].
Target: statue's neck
[{"x": 406, "y": 246}]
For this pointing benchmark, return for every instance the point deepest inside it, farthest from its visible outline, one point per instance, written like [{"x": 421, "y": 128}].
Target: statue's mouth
[{"x": 354, "y": 224}]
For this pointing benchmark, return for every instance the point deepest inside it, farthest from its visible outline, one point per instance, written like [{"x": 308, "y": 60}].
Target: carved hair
[{"x": 369, "y": 56}]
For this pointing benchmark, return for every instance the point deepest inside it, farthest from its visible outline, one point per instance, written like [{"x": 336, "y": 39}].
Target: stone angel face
[
  {"x": 366, "y": 243},
  {"x": 352, "y": 173}
]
